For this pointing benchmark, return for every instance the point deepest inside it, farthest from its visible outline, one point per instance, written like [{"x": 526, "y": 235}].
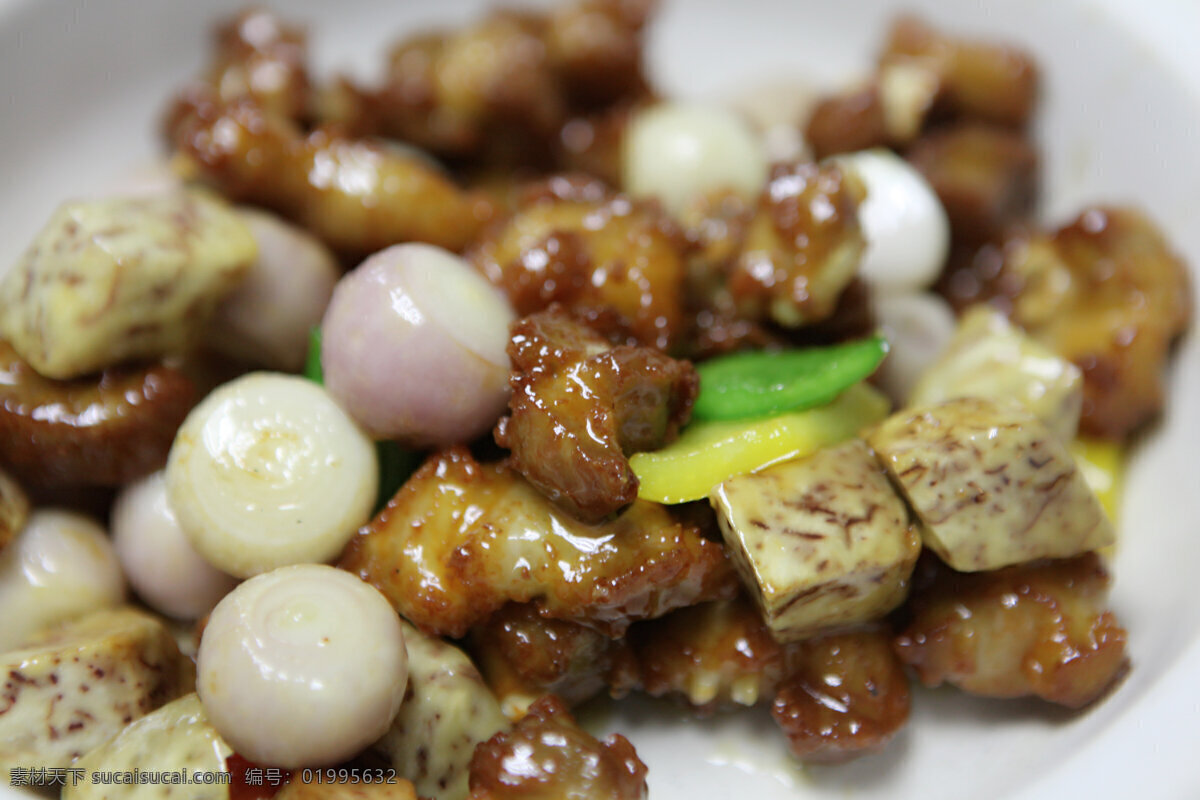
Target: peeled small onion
[
  {"x": 413, "y": 346},
  {"x": 906, "y": 228},
  {"x": 302, "y": 666},
  {"x": 60, "y": 567},
  {"x": 267, "y": 471},
  {"x": 919, "y": 327},
  {"x": 678, "y": 152},
  {"x": 159, "y": 561},
  {"x": 267, "y": 318}
]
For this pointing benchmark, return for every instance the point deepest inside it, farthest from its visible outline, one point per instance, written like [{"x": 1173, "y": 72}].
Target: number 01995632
[{"x": 348, "y": 775}]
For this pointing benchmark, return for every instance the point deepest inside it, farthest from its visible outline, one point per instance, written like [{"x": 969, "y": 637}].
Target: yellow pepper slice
[
  {"x": 708, "y": 452},
  {"x": 1103, "y": 466}
]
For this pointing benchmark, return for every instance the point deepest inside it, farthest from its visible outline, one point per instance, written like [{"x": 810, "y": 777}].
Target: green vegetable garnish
[
  {"x": 395, "y": 463},
  {"x": 312, "y": 362},
  {"x": 755, "y": 384}
]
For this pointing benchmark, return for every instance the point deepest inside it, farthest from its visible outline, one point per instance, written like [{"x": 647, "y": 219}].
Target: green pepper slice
[
  {"x": 312, "y": 362},
  {"x": 760, "y": 383}
]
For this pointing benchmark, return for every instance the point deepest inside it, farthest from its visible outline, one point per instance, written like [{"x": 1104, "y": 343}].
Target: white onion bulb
[
  {"x": 906, "y": 228},
  {"x": 919, "y": 327},
  {"x": 413, "y": 346},
  {"x": 265, "y": 321},
  {"x": 159, "y": 561},
  {"x": 679, "y": 152},
  {"x": 269, "y": 471},
  {"x": 60, "y": 567},
  {"x": 302, "y": 666}
]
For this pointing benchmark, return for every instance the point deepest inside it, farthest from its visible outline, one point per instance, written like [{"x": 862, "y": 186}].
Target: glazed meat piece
[
  {"x": 715, "y": 225},
  {"x": 890, "y": 110},
  {"x": 499, "y": 91},
  {"x": 524, "y": 656},
  {"x": 580, "y": 407},
  {"x": 717, "y": 332},
  {"x": 546, "y": 756},
  {"x": 977, "y": 80},
  {"x": 712, "y": 655},
  {"x": 835, "y": 695},
  {"x": 257, "y": 55},
  {"x": 974, "y": 273},
  {"x": 592, "y": 143},
  {"x": 357, "y": 195},
  {"x": 925, "y": 78},
  {"x": 846, "y": 696},
  {"x": 461, "y": 539},
  {"x": 463, "y": 93},
  {"x": 1031, "y": 629},
  {"x": 1106, "y": 292},
  {"x": 102, "y": 430},
  {"x": 595, "y": 50},
  {"x": 848, "y": 122},
  {"x": 802, "y": 246},
  {"x": 986, "y": 178},
  {"x": 854, "y": 317},
  {"x": 575, "y": 242}
]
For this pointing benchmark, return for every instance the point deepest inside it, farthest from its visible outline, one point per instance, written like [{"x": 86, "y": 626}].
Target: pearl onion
[
  {"x": 159, "y": 561},
  {"x": 269, "y": 471},
  {"x": 267, "y": 318},
  {"x": 678, "y": 152},
  {"x": 413, "y": 346},
  {"x": 906, "y": 228},
  {"x": 60, "y": 567},
  {"x": 918, "y": 327},
  {"x": 303, "y": 666}
]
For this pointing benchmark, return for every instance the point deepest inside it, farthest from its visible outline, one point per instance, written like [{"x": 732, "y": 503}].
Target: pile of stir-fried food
[{"x": 575, "y": 380}]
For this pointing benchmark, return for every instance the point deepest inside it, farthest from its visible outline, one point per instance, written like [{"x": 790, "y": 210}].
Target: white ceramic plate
[{"x": 81, "y": 88}]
